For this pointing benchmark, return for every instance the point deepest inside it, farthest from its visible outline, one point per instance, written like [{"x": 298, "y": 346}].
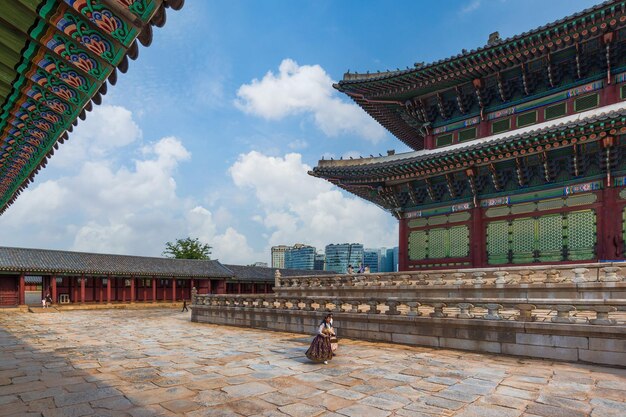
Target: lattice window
[
  {"x": 622, "y": 92},
  {"x": 437, "y": 243},
  {"x": 418, "y": 245},
  {"x": 444, "y": 140},
  {"x": 498, "y": 242},
  {"x": 557, "y": 110},
  {"x": 527, "y": 119},
  {"x": 467, "y": 134},
  {"x": 522, "y": 238},
  {"x": 550, "y": 237},
  {"x": 586, "y": 102},
  {"x": 500, "y": 126},
  {"x": 581, "y": 234},
  {"x": 459, "y": 241}
]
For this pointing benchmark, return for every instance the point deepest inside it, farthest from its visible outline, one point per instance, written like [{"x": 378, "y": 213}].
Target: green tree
[{"x": 187, "y": 248}]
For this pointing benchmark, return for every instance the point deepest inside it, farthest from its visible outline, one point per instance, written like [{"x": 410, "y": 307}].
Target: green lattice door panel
[
  {"x": 498, "y": 242},
  {"x": 437, "y": 243},
  {"x": 523, "y": 240},
  {"x": 418, "y": 245},
  {"x": 581, "y": 235},
  {"x": 550, "y": 238},
  {"x": 459, "y": 242}
]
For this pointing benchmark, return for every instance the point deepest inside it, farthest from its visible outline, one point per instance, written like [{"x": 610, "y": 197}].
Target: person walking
[
  {"x": 184, "y": 306},
  {"x": 320, "y": 349}
]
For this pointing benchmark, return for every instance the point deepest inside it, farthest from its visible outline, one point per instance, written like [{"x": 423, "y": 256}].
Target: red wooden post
[
  {"x": 154, "y": 292},
  {"x": 108, "y": 289},
  {"x": 132, "y": 289},
  {"x": 209, "y": 287},
  {"x": 53, "y": 285},
  {"x": 239, "y": 288},
  {"x": 478, "y": 246},
  {"x": 22, "y": 289},
  {"x": 174, "y": 289},
  {"x": 82, "y": 289},
  {"x": 403, "y": 245},
  {"x": 100, "y": 291},
  {"x": 253, "y": 288}
]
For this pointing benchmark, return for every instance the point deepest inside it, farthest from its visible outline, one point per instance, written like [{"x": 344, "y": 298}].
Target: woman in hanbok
[{"x": 320, "y": 349}]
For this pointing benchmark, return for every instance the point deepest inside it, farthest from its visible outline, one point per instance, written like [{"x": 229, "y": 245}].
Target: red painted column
[
  {"x": 132, "y": 289},
  {"x": 210, "y": 289},
  {"x": 82, "y": 289},
  {"x": 239, "y": 288},
  {"x": 253, "y": 288},
  {"x": 108, "y": 289},
  {"x": 154, "y": 291},
  {"x": 22, "y": 290},
  {"x": 53, "y": 285},
  {"x": 100, "y": 291},
  {"x": 609, "y": 232},
  {"x": 124, "y": 290},
  {"x": 403, "y": 246},
  {"x": 478, "y": 245},
  {"x": 174, "y": 289}
]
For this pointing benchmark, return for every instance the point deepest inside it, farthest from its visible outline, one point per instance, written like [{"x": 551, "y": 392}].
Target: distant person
[
  {"x": 48, "y": 300},
  {"x": 361, "y": 269},
  {"x": 367, "y": 270},
  {"x": 350, "y": 269},
  {"x": 184, "y": 306}
]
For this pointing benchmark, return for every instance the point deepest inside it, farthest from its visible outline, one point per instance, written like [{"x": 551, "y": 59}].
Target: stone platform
[{"x": 158, "y": 363}]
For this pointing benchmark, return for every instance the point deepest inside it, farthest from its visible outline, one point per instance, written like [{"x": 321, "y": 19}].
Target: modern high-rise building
[
  {"x": 320, "y": 262},
  {"x": 300, "y": 257},
  {"x": 340, "y": 256},
  {"x": 371, "y": 259},
  {"x": 389, "y": 260},
  {"x": 278, "y": 256}
]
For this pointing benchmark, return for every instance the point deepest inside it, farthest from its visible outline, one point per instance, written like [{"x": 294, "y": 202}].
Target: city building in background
[
  {"x": 260, "y": 264},
  {"x": 389, "y": 260},
  {"x": 320, "y": 262},
  {"x": 278, "y": 256},
  {"x": 371, "y": 259},
  {"x": 340, "y": 256},
  {"x": 300, "y": 257}
]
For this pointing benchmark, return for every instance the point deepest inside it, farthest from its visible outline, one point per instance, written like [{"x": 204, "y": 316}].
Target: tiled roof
[
  {"x": 65, "y": 262},
  {"x": 258, "y": 273}
]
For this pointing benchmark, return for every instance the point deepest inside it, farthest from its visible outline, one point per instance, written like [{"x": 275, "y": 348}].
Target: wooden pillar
[
  {"x": 239, "y": 288},
  {"x": 123, "y": 290},
  {"x": 100, "y": 291},
  {"x": 82, "y": 289},
  {"x": 108, "y": 289},
  {"x": 132, "y": 289},
  {"x": 145, "y": 290},
  {"x": 53, "y": 289},
  {"x": 403, "y": 245},
  {"x": 478, "y": 243},
  {"x": 253, "y": 288},
  {"x": 609, "y": 227},
  {"x": 154, "y": 289},
  {"x": 22, "y": 289},
  {"x": 174, "y": 289}
]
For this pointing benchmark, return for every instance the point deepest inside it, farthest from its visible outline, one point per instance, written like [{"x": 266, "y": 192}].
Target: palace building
[{"x": 519, "y": 148}]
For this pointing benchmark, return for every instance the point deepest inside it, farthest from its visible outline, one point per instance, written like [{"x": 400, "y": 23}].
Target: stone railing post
[
  {"x": 501, "y": 277},
  {"x": 458, "y": 278},
  {"x": 393, "y": 308},
  {"x": 493, "y": 311},
  {"x": 610, "y": 274},
  {"x": 579, "y": 275},
  {"x": 478, "y": 278},
  {"x": 465, "y": 311},
  {"x": 277, "y": 278},
  {"x": 373, "y": 306},
  {"x": 338, "y": 306},
  {"x": 602, "y": 315},
  {"x": 563, "y": 314},
  {"x": 525, "y": 312},
  {"x": 258, "y": 302},
  {"x": 438, "y": 313},
  {"x": 413, "y": 308},
  {"x": 354, "y": 306},
  {"x": 194, "y": 294},
  {"x": 294, "y": 305},
  {"x": 308, "y": 304},
  {"x": 552, "y": 276},
  {"x": 422, "y": 279}
]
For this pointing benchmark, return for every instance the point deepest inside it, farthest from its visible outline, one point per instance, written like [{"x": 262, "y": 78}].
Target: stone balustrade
[
  {"x": 529, "y": 275},
  {"x": 594, "y": 312}
]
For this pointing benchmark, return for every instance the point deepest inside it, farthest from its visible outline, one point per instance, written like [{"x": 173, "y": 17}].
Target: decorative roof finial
[{"x": 494, "y": 38}]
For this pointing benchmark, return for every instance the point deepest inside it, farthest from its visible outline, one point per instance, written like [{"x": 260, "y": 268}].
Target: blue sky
[{"x": 212, "y": 130}]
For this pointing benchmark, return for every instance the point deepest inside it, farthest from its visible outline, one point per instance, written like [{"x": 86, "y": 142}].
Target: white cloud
[
  {"x": 296, "y": 207},
  {"x": 110, "y": 206},
  {"x": 472, "y": 6},
  {"x": 306, "y": 89}
]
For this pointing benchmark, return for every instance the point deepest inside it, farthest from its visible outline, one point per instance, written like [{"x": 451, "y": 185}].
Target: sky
[{"x": 213, "y": 129}]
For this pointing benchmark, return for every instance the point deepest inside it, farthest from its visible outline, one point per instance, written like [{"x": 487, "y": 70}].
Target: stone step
[{"x": 38, "y": 310}]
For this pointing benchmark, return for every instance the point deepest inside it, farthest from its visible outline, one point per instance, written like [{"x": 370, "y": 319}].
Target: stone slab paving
[{"x": 157, "y": 363}]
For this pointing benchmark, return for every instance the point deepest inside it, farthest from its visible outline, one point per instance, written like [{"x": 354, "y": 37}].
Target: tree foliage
[{"x": 187, "y": 248}]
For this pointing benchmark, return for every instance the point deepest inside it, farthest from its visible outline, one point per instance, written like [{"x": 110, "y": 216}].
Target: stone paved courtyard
[{"x": 146, "y": 363}]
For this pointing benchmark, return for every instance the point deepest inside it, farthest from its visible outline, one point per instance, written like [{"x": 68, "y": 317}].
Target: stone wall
[{"x": 572, "y": 314}]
